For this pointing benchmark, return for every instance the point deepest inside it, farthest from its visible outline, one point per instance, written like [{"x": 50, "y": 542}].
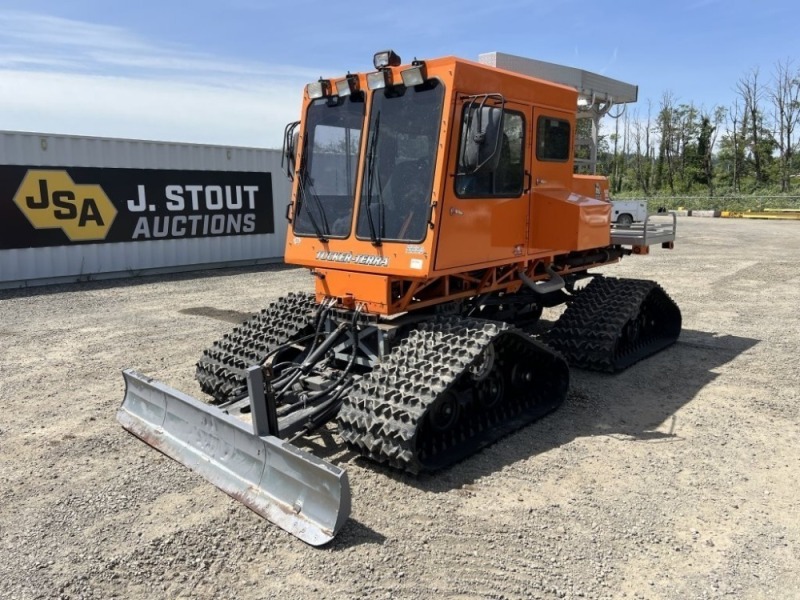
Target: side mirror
[
  {"x": 481, "y": 135},
  {"x": 290, "y": 136}
]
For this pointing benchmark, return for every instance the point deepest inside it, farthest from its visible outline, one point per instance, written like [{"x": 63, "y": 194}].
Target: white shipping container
[{"x": 22, "y": 266}]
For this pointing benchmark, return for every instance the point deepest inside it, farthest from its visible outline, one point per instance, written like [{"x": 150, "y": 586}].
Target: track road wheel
[
  {"x": 491, "y": 390},
  {"x": 483, "y": 365},
  {"x": 521, "y": 376},
  {"x": 444, "y": 413},
  {"x": 632, "y": 330}
]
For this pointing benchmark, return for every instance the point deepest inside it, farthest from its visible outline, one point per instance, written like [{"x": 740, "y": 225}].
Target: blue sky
[{"x": 232, "y": 72}]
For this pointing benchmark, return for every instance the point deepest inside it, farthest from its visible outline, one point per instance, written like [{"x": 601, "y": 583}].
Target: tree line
[{"x": 676, "y": 148}]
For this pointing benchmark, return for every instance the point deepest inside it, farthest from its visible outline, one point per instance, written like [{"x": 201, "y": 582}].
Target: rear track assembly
[{"x": 614, "y": 323}]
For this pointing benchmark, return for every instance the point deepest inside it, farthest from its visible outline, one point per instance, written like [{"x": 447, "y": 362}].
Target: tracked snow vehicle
[{"x": 436, "y": 205}]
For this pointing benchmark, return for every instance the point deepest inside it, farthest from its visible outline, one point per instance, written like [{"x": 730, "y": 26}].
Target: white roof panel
[{"x": 589, "y": 85}]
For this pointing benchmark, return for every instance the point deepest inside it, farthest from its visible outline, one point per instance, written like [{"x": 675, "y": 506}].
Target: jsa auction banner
[{"x": 57, "y": 206}]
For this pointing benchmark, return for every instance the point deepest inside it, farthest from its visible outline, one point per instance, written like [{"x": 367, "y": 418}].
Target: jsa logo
[{"x": 51, "y": 200}]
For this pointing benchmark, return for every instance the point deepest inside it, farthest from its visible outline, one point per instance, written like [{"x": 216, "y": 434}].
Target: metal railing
[{"x": 730, "y": 203}]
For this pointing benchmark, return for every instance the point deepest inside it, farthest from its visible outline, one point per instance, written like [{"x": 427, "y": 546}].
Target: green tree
[
  {"x": 785, "y": 96},
  {"x": 665, "y": 125}
]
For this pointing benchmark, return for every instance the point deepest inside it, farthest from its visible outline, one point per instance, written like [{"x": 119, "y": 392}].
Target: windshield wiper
[
  {"x": 312, "y": 220},
  {"x": 318, "y": 203},
  {"x": 372, "y": 171}
]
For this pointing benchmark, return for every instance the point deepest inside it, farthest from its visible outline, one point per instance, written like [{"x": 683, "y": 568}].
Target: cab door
[
  {"x": 484, "y": 216},
  {"x": 552, "y": 156},
  {"x": 551, "y": 173}
]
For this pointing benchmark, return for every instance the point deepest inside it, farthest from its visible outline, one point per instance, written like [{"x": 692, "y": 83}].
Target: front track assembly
[
  {"x": 614, "y": 323},
  {"x": 221, "y": 369},
  {"x": 452, "y": 386}
]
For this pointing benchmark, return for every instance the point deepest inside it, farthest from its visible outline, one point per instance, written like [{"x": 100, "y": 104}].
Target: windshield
[
  {"x": 399, "y": 162},
  {"x": 327, "y": 177}
]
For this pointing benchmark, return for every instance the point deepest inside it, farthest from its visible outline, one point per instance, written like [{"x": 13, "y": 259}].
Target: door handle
[{"x": 430, "y": 214}]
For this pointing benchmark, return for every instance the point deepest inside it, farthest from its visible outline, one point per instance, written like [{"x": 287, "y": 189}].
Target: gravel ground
[{"x": 676, "y": 479}]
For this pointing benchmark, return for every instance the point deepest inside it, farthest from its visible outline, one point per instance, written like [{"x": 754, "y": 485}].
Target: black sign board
[{"x": 58, "y": 206}]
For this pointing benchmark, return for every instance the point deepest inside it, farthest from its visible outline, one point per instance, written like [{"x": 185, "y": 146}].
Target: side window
[
  {"x": 552, "y": 139},
  {"x": 507, "y": 179}
]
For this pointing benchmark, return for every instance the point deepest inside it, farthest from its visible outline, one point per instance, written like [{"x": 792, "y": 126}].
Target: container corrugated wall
[{"x": 30, "y": 266}]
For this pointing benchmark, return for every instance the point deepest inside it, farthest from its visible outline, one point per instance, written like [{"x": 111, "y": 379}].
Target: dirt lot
[{"x": 676, "y": 479}]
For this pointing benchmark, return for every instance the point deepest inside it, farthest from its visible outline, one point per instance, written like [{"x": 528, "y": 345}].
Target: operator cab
[
  {"x": 399, "y": 157},
  {"x": 434, "y": 179}
]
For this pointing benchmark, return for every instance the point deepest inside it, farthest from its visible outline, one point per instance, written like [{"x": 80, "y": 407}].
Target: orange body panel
[
  {"x": 546, "y": 219},
  {"x": 594, "y": 186},
  {"x": 566, "y": 221},
  {"x": 475, "y": 232},
  {"x": 367, "y": 288}
]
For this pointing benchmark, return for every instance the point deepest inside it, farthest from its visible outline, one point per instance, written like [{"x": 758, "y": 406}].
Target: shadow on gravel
[
  {"x": 135, "y": 279},
  {"x": 633, "y": 406},
  {"x": 355, "y": 534},
  {"x": 229, "y": 316}
]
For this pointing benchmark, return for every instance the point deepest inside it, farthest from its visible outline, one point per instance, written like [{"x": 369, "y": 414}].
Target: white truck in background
[{"x": 625, "y": 212}]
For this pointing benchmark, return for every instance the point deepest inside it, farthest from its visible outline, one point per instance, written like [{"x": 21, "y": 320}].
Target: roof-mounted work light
[
  {"x": 414, "y": 75},
  {"x": 379, "y": 79},
  {"x": 348, "y": 85},
  {"x": 318, "y": 89},
  {"x": 385, "y": 58}
]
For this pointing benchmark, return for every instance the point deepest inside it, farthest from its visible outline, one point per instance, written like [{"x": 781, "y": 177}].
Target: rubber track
[
  {"x": 384, "y": 415},
  {"x": 221, "y": 368},
  {"x": 591, "y": 332}
]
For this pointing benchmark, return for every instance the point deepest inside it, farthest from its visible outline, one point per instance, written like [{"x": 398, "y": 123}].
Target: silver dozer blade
[{"x": 295, "y": 490}]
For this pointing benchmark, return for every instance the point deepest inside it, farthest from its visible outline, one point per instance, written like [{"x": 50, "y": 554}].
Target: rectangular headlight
[
  {"x": 348, "y": 85},
  {"x": 318, "y": 89},
  {"x": 414, "y": 75},
  {"x": 379, "y": 79}
]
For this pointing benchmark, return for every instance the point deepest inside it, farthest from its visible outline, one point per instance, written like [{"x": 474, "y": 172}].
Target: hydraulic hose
[{"x": 328, "y": 409}]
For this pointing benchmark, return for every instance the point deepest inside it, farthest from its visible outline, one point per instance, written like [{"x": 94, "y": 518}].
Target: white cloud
[
  {"x": 105, "y": 81},
  {"x": 48, "y": 31},
  {"x": 145, "y": 109}
]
